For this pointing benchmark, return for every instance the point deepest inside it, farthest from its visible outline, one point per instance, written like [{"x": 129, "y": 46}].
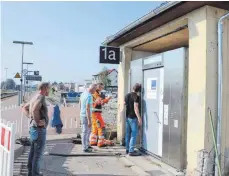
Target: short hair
[
  {"x": 92, "y": 86},
  {"x": 137, "y": 87},
  {"x": 100, "y": 84},
  {"x": 43, "y": 85}
]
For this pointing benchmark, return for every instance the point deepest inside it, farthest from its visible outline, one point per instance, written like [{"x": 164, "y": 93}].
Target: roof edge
[{"x": 141, "y": 20}]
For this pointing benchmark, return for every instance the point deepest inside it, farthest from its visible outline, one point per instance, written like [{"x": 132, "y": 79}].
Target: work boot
[
  {"x": 90, "y": 147},
  {"x": 101, "y": 144},
  {"x": 108, "y": 142},
  {"x": 87, "y": 150},
  {"x": 93, "y": 144},
  {"x": 134, "y": 153}
]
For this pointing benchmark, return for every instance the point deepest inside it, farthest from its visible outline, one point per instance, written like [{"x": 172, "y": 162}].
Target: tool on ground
[{"x": 77, "y": 140}]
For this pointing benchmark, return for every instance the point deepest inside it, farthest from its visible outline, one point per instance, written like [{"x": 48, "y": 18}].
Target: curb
[
  {"x": 132, "y": 165},
  {"x": 165, "y": 166},
  {"x": 135, "y": 168},
  {"x": 18, "y": 151}
]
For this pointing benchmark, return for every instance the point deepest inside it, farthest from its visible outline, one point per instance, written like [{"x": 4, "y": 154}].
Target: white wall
[{"x": 113, "y": 76}]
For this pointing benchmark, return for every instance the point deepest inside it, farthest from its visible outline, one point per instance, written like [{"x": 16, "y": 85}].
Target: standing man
[
  {"x": 98, "y": 124},
  {"x": 133, "y": 119},
  {"x": 85, "y": 115},
  {"x": 36, "y": 109}
]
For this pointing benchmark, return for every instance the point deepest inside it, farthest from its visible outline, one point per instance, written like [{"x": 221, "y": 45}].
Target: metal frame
[
  {"x": 148, "y": 67},
  {"x": 220, "y": 94},
  {"x": 154, "y": 65}
]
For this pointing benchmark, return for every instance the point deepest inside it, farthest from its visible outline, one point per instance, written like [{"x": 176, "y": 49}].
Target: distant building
[
  {"x": 87, "y": 82},
  {"x": 112, "y": 76}
]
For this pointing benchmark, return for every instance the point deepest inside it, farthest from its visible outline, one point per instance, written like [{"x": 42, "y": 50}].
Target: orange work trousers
[{"x": 98, "y": 130}]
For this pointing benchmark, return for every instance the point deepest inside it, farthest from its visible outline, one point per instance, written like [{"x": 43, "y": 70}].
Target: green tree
[
  {"x": 104, "y": 77},
  {"x": 61, "y": 86},
  {"x": 8, "y": 84}
]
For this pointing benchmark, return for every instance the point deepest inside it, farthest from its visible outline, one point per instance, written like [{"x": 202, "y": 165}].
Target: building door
[{"x": 153, "y": 110}]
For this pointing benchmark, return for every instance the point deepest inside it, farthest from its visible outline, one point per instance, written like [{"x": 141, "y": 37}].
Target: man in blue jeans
[
  {"x": 133, "y": 119},
  {"x": 37, "y": 111},
  {"x": 85, "y": 115}
]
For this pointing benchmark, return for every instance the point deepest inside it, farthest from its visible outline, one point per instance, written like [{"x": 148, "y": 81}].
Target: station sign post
[{"x": 109, "y": 55}]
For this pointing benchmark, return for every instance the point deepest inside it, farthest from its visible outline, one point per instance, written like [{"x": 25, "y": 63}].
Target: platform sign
[
  {"x": 36, "y": 72},
  {"x": 25, "y": 72},
  {"x": 17, "y": 75},
  {"x": 33, "y": 78},
  {"x": 151, "y": 88},
  {"x": 109, "y": 55}
]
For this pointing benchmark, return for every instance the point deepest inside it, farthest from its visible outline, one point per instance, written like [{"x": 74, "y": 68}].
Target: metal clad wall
[
  {"x": 174, "y": 114},
  {"x": 136, "y": 77},
  {"x": 135, "y": 73}
]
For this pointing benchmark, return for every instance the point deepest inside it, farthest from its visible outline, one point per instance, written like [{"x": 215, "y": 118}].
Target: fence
[{"x": 7, "y": 139}]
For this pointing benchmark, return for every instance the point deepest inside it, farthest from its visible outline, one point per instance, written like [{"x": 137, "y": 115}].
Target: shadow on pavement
[{"x": 75, "y": 166}]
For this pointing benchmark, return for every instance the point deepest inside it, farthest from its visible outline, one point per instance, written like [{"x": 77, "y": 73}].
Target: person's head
[
  {"x": 44, "y": 88},
  {"x": 92, "y": 88},
  {"x": 137, "y": 88},
  {"x": 100, "y": 86}
]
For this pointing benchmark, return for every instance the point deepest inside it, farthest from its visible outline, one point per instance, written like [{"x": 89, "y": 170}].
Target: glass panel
[{"x": 153, "y": 59}]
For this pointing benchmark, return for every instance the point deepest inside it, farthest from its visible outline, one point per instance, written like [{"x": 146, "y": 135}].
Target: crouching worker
[
  {"x": 98, "y": 125},
  {"x": 85, "y": 116},
  {"x": 56, "y": 121}
]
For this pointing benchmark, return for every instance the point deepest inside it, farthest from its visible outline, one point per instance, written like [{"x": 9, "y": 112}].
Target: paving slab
[
  {"x": 90, "y": 165},
  {"x": 76, "y": 163}
]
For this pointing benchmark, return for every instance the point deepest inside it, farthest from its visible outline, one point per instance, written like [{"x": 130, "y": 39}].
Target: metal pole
[
  {"x": 220, "y": 75},
  {"x": 6, "y": 77},
  {"x": 6, "y": 72},
  {"x": 22, "y": 73}
]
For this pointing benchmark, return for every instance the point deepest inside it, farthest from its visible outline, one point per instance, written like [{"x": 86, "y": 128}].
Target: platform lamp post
[
  {"x": 26, "y": 63},
  {"x": 6, "y": 77},
  {"x": 22, "y": 43}
]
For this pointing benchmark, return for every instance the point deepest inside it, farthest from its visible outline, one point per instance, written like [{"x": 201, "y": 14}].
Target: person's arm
[
  {"x": 25, "y": 109},
  {"x": 36, "y": 112},
  {"x": 80, "y": 103},
  {"x": 136, "y": 110},
  {"x": 106, "y": 100},
  {"x": 88, "y": 110},
  {"x": 125, "y": 100}
]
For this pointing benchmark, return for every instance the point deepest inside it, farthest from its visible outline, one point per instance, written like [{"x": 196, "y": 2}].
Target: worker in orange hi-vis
[{"x": 98, "y": 125}]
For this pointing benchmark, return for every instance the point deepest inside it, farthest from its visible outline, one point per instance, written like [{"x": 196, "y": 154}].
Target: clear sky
[{"x": 66, "y": 35}]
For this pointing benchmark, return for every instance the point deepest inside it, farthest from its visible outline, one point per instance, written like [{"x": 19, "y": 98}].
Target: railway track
[{"x": 7, "y": 95}]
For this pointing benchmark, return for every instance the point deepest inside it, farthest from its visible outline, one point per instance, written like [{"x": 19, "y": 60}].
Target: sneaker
[
  {"x": 87, "y": 150},
  {"x": 134, "y": 153},
  {"x": 127, "y": 151},
  {"x": 90, "y": 147}
]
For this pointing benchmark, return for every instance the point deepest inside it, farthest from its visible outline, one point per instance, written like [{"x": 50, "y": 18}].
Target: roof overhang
[{"x": 160, "y": 16}]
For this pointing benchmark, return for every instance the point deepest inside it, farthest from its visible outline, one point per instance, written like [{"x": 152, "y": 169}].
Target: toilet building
[{"x": 173, "y": 52}]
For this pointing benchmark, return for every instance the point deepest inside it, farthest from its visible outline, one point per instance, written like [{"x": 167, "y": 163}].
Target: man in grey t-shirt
[{"x": 37, "y": 111}]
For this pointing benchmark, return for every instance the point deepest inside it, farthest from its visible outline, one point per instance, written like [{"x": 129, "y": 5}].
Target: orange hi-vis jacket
[
  {"x": 98, "y": 101},
  {"x": 98, "y": 124}
]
